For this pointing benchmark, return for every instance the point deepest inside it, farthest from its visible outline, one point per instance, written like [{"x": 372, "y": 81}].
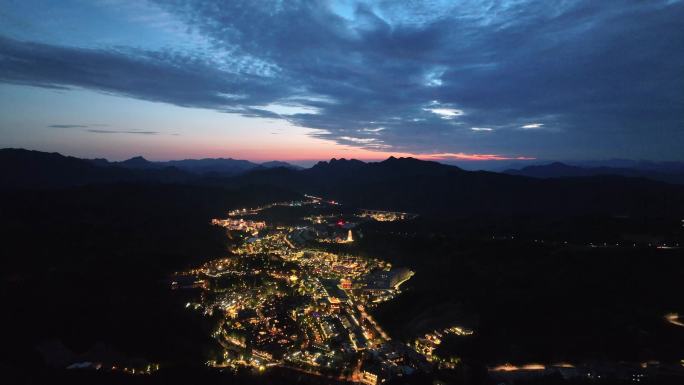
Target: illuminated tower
[{"x": 349, "y": 236}]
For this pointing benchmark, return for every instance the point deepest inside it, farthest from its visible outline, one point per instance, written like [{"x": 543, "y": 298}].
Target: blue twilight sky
[{"x": 305, "y": 80}]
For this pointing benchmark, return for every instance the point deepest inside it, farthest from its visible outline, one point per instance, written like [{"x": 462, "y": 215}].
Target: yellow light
[
  {"x": 673, "y": 318},
  {"x": 564, "y": 365},
  {"x": 505, "y": 368}
]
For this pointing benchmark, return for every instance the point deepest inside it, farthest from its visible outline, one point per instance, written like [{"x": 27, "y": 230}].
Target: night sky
[{"x": 309, "y": 80}]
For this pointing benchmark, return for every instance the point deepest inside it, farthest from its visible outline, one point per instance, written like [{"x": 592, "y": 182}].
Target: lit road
[
  {"x": 673, "y": 318},
  {"x": 372, "y": 322}
]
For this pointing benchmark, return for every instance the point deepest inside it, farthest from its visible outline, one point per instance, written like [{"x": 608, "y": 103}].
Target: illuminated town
[
  {"x": 286, "y": 301},
  {"x": 290, "y": 294},
  {"x": 386, "y": 216}
]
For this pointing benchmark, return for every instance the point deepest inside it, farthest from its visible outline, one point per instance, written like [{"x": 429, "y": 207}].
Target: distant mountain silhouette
[
  {"x": 406, "y": 184},
  {"x": 219, "y": 166},
  {"x": 206, "y": 166},
  {"x": 278, "y": 163},
  {"x": 667, "y": 167},
  {"x": 562, "y": 170},
  {"x": 23, "y": 169},
  {"x": 138, "y": 162},
  {"x": 436, "y": 189},
  {"x": 34, "y": 169}
]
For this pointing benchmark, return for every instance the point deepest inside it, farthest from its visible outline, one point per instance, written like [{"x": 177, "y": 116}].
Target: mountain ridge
[
  {"x": 564, "y": 170},
  {"x": 436, "y": 189},
  {"x": 29, "y": 169},
  {"x": 405, "y": 184},
  {"x": 203, "y": 166}
]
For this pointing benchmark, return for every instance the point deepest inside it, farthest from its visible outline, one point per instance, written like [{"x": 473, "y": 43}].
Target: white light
[
  {"x": 532, "y": 126},
  {"x": 445, "y": 113},
  {"x": 358, "y": 140}
]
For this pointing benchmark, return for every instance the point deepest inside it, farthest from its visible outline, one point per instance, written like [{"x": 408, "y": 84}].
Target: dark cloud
[
  {"x": 95, "y": 131},
  {"x": 181, "y": 80},
  {"x": 585, "y": 78},
  {"x": 76, "y": 125},
  {"x": 68, "y": 126}
]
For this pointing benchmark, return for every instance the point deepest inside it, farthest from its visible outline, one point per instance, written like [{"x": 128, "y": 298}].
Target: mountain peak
[
  {"x": 338, "y": 164},
  {"x": 417, "y": 165},
  {"x": 402, "y": 159},
  {"x": 558, "y": 164},
  {"x": 138, "y": 162},
  {"x": 278, "y": 163},
  {"x": 136, "y": 159}
]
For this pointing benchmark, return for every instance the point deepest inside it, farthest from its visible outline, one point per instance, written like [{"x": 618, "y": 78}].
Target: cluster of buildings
[
  {"x": 385, "y": 216},
  {"x": 240, "y": 224},
  {"x": 310, "y": 200},
  {"x": 428, "y": 344},
  {"x": 288, "y": 303}
]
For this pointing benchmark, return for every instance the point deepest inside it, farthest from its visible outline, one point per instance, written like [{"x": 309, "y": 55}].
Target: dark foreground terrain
[{"x": 86, "y": 267}]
